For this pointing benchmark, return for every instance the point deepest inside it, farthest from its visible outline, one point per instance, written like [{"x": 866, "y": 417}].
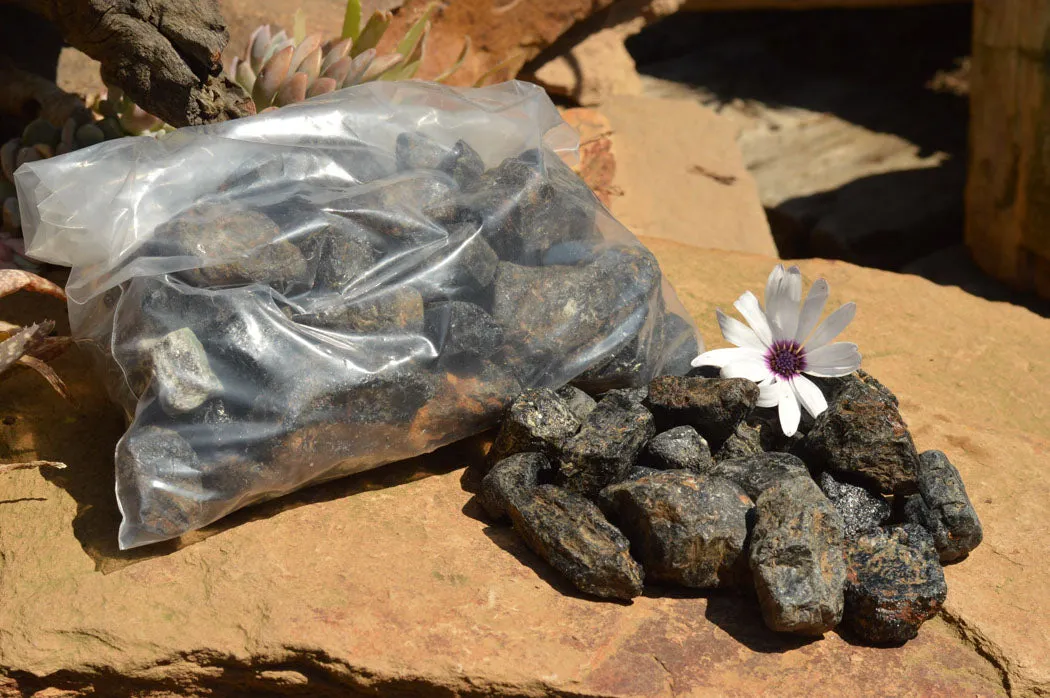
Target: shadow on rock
[
  {"x": 507, "y": 539},
  {"x": 741, "y": 618}
]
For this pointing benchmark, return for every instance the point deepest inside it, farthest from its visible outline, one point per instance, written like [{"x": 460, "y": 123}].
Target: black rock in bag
[{"x": 354, "y": 280}]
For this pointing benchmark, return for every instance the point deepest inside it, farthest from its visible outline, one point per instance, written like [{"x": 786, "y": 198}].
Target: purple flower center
[{"x": 786, "y": 358}]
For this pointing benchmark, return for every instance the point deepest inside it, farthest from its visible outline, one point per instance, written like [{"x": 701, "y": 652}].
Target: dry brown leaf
[
  {"x": 10, "y": 467},
  {"x": 49, "y": 375},
  {"x": 13, "y": 280},
  {"x": 8, "y": 329},
  {"x": 12, "y": 348},
  {"x": 50, "y": 348}
]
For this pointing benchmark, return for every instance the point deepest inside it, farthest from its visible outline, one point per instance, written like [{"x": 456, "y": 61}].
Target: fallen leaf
[
  {"x": 13, "y": 280},
  {"x": 49, "y": 375}
]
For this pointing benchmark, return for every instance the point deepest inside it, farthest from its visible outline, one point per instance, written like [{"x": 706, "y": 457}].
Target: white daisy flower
[{"x": 780, "y": 345}]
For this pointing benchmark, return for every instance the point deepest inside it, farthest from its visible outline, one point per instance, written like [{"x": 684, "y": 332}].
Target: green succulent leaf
[
  {"x": 508, "y": 61},
  {"x": 352, "y": 20},
  {"x": 416, "y": 32},
  {"x": 373, "y": 33}
]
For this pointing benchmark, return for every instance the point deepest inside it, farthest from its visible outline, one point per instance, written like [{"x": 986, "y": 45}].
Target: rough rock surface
[
  {"x": 571, "y": 534},
  {"x": 267, "y": 599},
  {"x": 579, "y": 403},
  {"x": 714, "y": 406},
  {"x": 514, "y": 477},
  {"x": 684, "y": 528},
  {"x": 862, "y": 436},
  {"x": 537, "y": 420},
  {"x": 796, "y": 558},
  {"x": 760, "y": 471},
  {"x": 943, "y": 508},
  {"x": 894, "y": 583},
  {"x": 745, "y": 441},
  {"x": 860, "y": 509},
  {"x": 607, "y": 445},
  {"x": 681, "y": 448}
]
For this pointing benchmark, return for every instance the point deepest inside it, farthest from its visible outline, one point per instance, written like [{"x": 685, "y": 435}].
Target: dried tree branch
[
  {"x": 14, "y": 347},
  {"x": 165, "y": 54},
  {"x": 26, "y": 93}
]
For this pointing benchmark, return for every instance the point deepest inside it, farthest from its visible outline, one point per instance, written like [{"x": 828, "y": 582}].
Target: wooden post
[{"x": 1008, "y": 191}]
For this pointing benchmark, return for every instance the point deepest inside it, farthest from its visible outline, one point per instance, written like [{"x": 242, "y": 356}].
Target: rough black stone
[
  {"x": 760, "y": 471},
  {"x": 714, "y": 406},
  {"x": 461, "y": 332},
  {"x": 746, "y": 440},
  {"x": 680, "y": 346},
  {"x": 894, "y": 583},
  {"x": 606, "y": 447},
  {"x": 234, "y": 246},
  {"x": 860, "y": 509},
  {"x": 398, "y": 310},
  {"x": 340, "y": 253},
  {"x": 635, "y": 395},
  {"x": 862, "y": 438},
  {"x": 537, "y": 420},
  {"x": 681, "y": 448},
  {"x": 571, "y": 534},
  {"x": 943, "y": 508},
  {"x": 514, "y": 477},
  {"x": 563, "y": 309},
  {"x": 463, "y": 268},
  {"x": 182, "y": 376},
  {"x": 461, "y": 162},
  {"x": 580, "y": 403},
  {"x": 797, "y": 558},
  {"x": 833, "y": 387},
  {"x": 684, "y": 528},
  {"x": 146, "y": 455}
]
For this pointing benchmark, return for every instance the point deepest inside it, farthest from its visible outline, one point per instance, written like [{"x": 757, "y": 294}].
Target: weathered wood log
[
  {"x": 1008, "y": 192},
  {"x": 164, "y": 53}
]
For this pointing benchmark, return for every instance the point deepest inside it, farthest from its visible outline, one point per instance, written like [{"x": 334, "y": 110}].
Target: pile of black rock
[{"x": 685, "y": 482}]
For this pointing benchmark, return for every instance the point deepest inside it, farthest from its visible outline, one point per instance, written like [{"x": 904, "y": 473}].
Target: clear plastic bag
[{"x": 339, "y": 284}]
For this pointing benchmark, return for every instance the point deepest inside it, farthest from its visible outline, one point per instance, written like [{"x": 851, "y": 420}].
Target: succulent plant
[{"x": 278, "y": 69}]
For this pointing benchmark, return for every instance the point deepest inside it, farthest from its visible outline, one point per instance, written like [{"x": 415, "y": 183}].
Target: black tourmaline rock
[
  {"x": 398, "y": 310},
  {"x": 538, "y": 420},
  {"x": 714, "y": 406},
  {"x": 461, "y": 332},
  {"x": 760, "y": 471},
  {"x": 571, "y": 534},
  {"x": 833, "y": 387},
  {"x": 340, "y": 254},
  {"x": 513, "y": 478},
  {"x": 680, "y": 345},
  {"x": 234, "y": 246},
  {"x": 182, "y": 375},
  {"x": 606, "y": 447},
  {"x": 745, "y": 441},
  {"x": 148, "y": 454},
  {"x": 797, "y": 558},
  {"x": 860, "y": 509},
  {"x": 894, "y": 583},
  {"x": 684, "y": 528},
  {"x": 862, "y": 438},
  {"x": 635, "y": 395},
  {"x": 681, "y": 448},
  {"x": 943, "y": 508},
  {"x": 638, "y": 471},
  {"x": 562, "y": 309},
  {"x": 461, "y": 162},
  {"x": 580, "y": 403},
  {"x": 530, "y": 204},
  {"x": 462, "y": 267}
]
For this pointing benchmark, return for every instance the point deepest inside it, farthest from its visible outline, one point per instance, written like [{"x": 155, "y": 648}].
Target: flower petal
[
  {"x": 782, "y": 305},
  {"x": 753, "y": 368},
  {"x": 811, "y": 309},
  {"x": 809, "y": 395},
  {"x": 721, "y": 357},
  {"x": 831, "y": 327},
  {"x": 737, "y": 332},
  {"x": 838, "y": 359},
  {"x": 788, "y": 410},
  {"x": 750, "y": 308},
  {"x": 773, "y": 284},
  {"x": 768, "y": 394}
]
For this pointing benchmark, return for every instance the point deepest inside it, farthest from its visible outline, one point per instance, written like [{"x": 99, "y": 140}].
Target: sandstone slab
[
  {"x": 681, "y": 177},
  {"x": 393, "y": 582}
]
